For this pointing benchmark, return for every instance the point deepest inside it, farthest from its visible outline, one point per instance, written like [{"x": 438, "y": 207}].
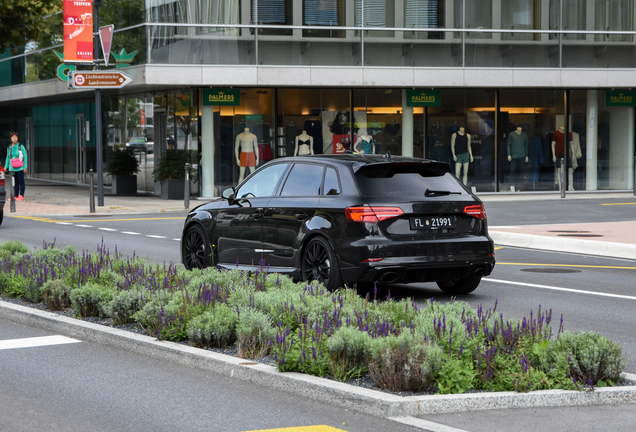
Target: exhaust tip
[
  {"x": 389, "y": 277},
  {"x": 480, "y": 272}
]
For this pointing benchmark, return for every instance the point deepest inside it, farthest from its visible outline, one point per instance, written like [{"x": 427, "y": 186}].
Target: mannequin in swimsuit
[
  {"x": 304, "y": 144},
  {"x": 365, "y": 142}
]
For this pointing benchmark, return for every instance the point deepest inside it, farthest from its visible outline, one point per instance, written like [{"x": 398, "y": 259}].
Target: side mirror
[{"x": 229, "y": 194}]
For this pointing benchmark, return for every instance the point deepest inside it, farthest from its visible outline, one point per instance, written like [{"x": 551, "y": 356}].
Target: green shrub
[
  {"x": 592, "y": 358},
  {"x": 57, "y": 294},
  {"x": 455, "y": 376},
  {"x": 160, "y": 304},
  {"x": 254, "y": 333},
  {"x": 215, "y": 328},
  {"x": 109, "y": 278},
  {"x": 33, "y": 292},
  {"x": 123, "y": 306},
  {"x": 91, "y": 300},
  {"x": 349, "y": 353},
  {"x": 14, "y": 247},
  {"x": 405, "y": 363},
  {"x": 13, "y": 286}
]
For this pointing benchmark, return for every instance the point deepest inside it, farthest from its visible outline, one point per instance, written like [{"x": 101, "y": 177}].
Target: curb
[
  {"x": 363, "y": 400},
  {"x": 577, "y": 246}
]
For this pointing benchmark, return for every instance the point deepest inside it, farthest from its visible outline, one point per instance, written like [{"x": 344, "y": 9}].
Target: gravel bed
[{"x": 364, "y": 382}]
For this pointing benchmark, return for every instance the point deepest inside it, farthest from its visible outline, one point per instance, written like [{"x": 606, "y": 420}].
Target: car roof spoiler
[{"x": 422, "y": 166}]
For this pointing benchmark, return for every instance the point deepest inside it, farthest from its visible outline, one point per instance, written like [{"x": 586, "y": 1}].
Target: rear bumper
[{"x": 407, "y": 262}]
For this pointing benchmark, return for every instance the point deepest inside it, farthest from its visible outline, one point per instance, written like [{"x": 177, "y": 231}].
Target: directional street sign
[{"x": 98, "y": 79}]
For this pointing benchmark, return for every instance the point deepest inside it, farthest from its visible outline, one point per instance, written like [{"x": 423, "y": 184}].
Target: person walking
[{"x": 17, "y": 162}]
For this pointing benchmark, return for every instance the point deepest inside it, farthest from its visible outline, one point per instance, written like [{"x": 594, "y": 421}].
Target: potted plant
[
  {"x": 123, "y": 167},
  {"x": 170, "y": 171}
]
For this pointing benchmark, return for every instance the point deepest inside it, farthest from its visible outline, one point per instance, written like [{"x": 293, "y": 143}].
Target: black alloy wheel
[
  {"x": 1, "y": 216},
  {"x": 321, "y": 264},
  {"x": 459, "y": 286},
  {"x": 196, "y": 249}
]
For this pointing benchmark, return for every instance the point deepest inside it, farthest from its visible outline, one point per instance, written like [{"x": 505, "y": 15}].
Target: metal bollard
[
  {"x": 634, "y": 175},
  {"x": 186, "y": 193},
  {"x": 91, "y": 202},
  {"x": 12, "y": 196},
  {"x": 563, "y": 177}
]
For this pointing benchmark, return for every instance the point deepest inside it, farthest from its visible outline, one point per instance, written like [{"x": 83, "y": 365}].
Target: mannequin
[
  {"x": 558, "y": 151},
  {"x": 304, "y": 144},
  {"x": 246, "y": 151},
  {"x": 462, "y": 153},
  {"x": 365, "y": 141},
  {"x": 517, "y": 155}
]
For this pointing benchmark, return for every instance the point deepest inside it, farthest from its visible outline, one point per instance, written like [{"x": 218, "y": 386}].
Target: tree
[{"x": 21, "y": 21}]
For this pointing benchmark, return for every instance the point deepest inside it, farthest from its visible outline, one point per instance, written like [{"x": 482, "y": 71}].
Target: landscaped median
[{"x": 402, "y": 347}]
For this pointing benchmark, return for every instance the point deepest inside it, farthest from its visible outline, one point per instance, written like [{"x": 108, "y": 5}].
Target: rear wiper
[{"x": 429, "y": 193}]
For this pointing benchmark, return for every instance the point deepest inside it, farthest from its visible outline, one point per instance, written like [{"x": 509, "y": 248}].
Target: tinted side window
[
  {"x": 303, "y": 180},
  {"x": 263, "y": 183},
  {"x": 332, "y": 186}
]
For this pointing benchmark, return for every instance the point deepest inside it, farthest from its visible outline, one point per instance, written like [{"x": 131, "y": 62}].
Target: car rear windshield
[{"x": 406, "y": 182}]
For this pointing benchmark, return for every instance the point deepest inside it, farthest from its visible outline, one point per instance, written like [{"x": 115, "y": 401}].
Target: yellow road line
[
  {"x": 619, "y": 204},
  {"x": 48, "y": 220},
  {"x": 318, "y": 428},
  {"x": 498, "y": 247},
  {"x": 567, "y": 265}
]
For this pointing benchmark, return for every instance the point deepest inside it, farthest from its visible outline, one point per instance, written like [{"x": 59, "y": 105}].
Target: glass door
[
  {"x": 29, "y": 144},
  {"x": 80, "y": 148}
]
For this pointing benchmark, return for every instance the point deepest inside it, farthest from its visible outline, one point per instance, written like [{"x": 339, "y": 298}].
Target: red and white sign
[
  {"x": 106, "y": 36},
  {"x": 78, "y": 31}
]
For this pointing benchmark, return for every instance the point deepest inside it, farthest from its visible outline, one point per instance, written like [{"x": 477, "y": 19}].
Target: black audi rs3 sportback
[{"x": 346, "y": 219}]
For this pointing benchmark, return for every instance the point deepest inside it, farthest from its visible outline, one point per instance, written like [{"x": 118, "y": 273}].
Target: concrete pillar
[
  {"x": 591, "y": 150},
  {"x": 207, "y": 152},
  {"x": 407, "y": 127}
]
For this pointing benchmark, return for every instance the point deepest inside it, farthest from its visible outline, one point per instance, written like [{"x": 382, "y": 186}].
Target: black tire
[
  {"x": 320, "y": 263},
  {"x": 196, "y": 249},
  {"x": 1, "y": 215},
  {"x": 459, "y": 286}
]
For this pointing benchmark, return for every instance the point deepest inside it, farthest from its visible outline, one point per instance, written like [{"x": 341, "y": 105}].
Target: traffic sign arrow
[{"x": 98, "y": 79}]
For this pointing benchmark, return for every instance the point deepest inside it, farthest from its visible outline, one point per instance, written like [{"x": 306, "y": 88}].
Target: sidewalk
[{"x": 44, "y": 198}]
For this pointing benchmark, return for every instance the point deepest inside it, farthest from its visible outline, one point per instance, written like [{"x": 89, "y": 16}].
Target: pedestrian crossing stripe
[
  {"x": 318, "y": 428},
  {"x": 36, "y": 342}
]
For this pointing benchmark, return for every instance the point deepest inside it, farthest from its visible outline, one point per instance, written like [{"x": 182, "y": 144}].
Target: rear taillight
[
  {"x": 477, "y": 211},
  {"x": 1, "y": 177},
  {"x": 372, "y": 214}
]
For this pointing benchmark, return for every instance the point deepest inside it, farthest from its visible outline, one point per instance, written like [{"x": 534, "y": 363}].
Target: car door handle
[
  {"x": 258, "y": 214},
  {"x": 301, "y": 216}
]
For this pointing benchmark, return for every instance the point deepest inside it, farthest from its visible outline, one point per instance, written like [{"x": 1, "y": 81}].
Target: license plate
[{"x": 432, "y": 222}]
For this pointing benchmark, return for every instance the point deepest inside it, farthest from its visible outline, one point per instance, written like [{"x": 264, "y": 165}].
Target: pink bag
[{"x": 16, "y": 163}]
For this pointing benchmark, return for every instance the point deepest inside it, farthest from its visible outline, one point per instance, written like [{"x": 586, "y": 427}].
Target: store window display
[
  {"x": 364, "y": 143},
  {"x": 246, "y": 152},
  {"x": 304, "y": 144},
  {"x": 517, "y": 156},
  {"x": 558, "y": 152},
  {"x": 462, "y": 153}
]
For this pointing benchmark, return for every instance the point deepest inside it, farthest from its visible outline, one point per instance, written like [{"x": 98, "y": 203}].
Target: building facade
[{"x": 530, "y": 82}]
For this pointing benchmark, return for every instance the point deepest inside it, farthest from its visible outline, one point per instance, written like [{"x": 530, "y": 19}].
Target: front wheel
[
  {"x": 321, "y": 264},
  {"x": 459, "y": 286},
  {"x": 196, "y": 249}
]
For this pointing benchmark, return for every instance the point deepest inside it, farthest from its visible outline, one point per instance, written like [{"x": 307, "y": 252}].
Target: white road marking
[
  {"x": 36, "y": 342},
  {"x": 130, "y": 232},
  {"x": 177, "y": 239},
  {"x": 84, "y": 226},
  {"x": 156, "y": 236},
  {"x": 107, "y": 229},
  {"x": 504, "y": 226},
  {"x": 425, "y": 424},
  {"x": 553, "y": 288},
  {"x": 64, "y": 223}
]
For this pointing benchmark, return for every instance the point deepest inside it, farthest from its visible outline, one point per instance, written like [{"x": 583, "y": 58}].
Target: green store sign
[
  {"x": 620, "y": 98},
  {"x": 226, "y": 97},
  {"x": 423, "y": 98}
]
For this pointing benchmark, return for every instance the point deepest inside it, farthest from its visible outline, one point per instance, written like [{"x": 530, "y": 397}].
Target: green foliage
[
  {"x": 14, "y": 246},
  {"x": 123, "y": 162},
  {"x": 254, "y": 333},
  {"x": 349, "y": 353},
  {"x": 455, "y": 376},
  {"x": 215, "y": 328},
  {"x": 13, "y": 286},
  {"x": 90, "y": 300},
  {"x": 404, "y": 363},
  {"x": 172, "y": 166},
  {"x": 302, "y": 350},
  {"x": 591, "y": 357},
  {"x": 22, "y": 21},
  {"x": 57, "y": 294},
  {"x": 160, "y": 304},
  {"x": 33, "y": 292},
  {"x": 123, "y": 306}
]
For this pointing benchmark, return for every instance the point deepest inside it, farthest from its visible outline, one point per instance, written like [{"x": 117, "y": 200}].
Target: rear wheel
[
  {"x": 459, "y": 286},
  {"x": 196, "y": 249},
  {"x": 321, "y": 264},
  {"x": 1, "y": 216}
]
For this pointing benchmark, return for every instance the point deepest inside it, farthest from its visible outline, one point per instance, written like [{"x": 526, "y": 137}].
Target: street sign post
[{"x": 98, "y": 79}]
